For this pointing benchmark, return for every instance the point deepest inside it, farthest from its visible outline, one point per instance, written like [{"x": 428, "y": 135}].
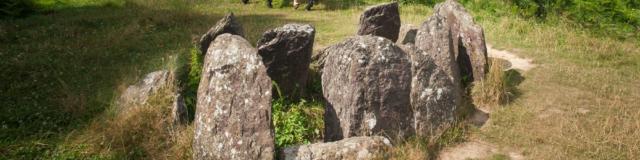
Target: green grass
[
  {"x": 577, "y": 71},
  {"x": 62, "y": 69}
]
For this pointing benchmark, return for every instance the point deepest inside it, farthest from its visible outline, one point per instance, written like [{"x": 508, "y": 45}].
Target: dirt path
[
  {"x": 477, "y": 149},
  {"x": 516, "y": 62}
]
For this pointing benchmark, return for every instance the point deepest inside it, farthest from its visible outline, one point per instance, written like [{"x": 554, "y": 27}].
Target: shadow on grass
[
  {"x": 62, "y": 69},
  {"x": 513, "y": 78}
]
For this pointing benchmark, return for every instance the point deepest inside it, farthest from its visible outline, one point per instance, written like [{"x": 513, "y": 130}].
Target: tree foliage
[{"x": 16, "y": 8}]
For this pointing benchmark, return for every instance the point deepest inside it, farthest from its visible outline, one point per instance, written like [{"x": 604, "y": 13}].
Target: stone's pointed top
[
  {"x": 297, "y": 28},
  {"x": 381, "y": 20},
  {"x": 228, "y": 24},
  {"x": 469, "y": 44},
  {"x": 454, "y": 8},
  {"x": 407, "y": 34},
  {"x": 286, "y": 52}
]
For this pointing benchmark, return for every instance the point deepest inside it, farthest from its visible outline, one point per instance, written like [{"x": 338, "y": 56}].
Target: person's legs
[
  {"x": 309, "y": 5},
  {"x": 269, "y": 4},
  {"x": 296, "y": 4}
]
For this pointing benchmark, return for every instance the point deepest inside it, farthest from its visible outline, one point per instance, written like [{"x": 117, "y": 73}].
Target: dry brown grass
[
  {"x": 413, "y": 149},
  {"x": 421, "y": 148},
  {"x": 495, "y": 89},
  {"x": 581, "y": 102},
  {"x": 142, "y": 131}
]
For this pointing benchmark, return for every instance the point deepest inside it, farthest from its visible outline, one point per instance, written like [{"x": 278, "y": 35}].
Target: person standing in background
[{"x": 296, "y": 4}]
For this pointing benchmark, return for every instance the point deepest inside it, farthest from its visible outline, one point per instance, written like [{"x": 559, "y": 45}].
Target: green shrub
[
  {"x": 190, "y": 92},
  {"x": 297, "y": 122},
  {"x": 16, "y": 8},
  {"x": 621, "y": 17}
]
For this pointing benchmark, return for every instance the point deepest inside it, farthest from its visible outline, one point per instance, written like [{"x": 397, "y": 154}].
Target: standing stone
[
  {"x": 152, "y": 84},
  {"x": 139, "y": 93},
  {"x": 434, "y": 98},
  {"x": 228, "y": 24},
  {"x": 286, "y": 52},
  {"x": 366, "y": 82},
  {"x": 356, "y": 148},
  {"x": 434, "y": 38},
  {"x": 407, "y": 34},
  {"x": 179, "y": 110},
  {"x": 469, "y": 44},
  {"x": 381, "y": 20},
  {"x": 233, "y": 114}
]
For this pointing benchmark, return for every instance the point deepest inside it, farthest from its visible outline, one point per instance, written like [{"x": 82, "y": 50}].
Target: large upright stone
[
  {"x": 434, "y": 97},
  {"x": 366, "y": 82},
  {"x": 233, "y": 114},
  {"x": 228, "y": 24},
  {"x": 468, "y": 40},
  {"x": 434, "y": 37},
  {"x": 381, "y": 20},
  {"x": 286, "y": 52},
  {"x": 436, "y": 92},
  {"x": 355, "y": 148}
]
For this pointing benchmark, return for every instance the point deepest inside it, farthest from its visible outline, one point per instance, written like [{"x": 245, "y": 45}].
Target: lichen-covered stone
[
  {"x": 233, "y": 114},
  {"x": 228, "y": 24},
  {"x": 179, "y": 110},
  {"x": 434, "y": 98},
  {"x": 139, "y": 94},
  {"x": 355, "y": 148},
  {"x": 407, "y": 34},
  {"x": 366, "y": 82},
  {"x": 381, "y": 20},
  {"x": 286, "y": 52},
  {"x": 434, "y": 38},
  {"x": 469, "y": 43}
]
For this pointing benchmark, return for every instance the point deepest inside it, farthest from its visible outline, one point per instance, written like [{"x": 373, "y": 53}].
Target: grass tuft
[
  {"x": 140, "y": 131},
  {"x": 419, "y": 148},
  {"x": 495, "y": 90}
]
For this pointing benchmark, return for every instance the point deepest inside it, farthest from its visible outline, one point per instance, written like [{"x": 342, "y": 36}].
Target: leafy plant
[
  {"x": 297, "y": 122},
  {"x": 195, "y": 63}
]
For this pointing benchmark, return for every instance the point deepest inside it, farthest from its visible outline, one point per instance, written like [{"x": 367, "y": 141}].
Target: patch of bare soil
[
  {"x": 517, "y": 62},
  {"x": 477, "y": 149}
]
